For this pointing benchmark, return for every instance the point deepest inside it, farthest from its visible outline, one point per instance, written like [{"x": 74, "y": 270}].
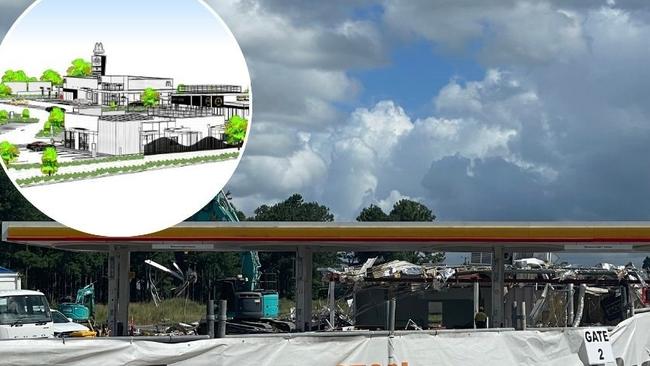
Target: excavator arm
[{"x": 220, "y": 209}]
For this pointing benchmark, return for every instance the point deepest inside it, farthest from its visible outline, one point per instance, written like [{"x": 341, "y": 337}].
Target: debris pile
[{"x": 554, "y": 295}]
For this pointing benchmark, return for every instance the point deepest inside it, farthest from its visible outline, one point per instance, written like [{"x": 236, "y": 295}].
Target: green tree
[
  {"x": 80, "y": 68},
  {"x": 8, "y": 151},
  {"x": 150, "y": 97},
  {"x": 52, "y": 76},
  {"x": 13, "y": 205},
  {"x": 236, "y": 130},
  {"x": 18, "y": 75},
  {"x": 25, "y": 113},
  {"x": 403, "y": 210},
  {"x": 408, "y": 210},
  {"x": 5, "y": 91},
  {"x": 4, "y": 115},
  {"x": 49, "y": 163},
  {"x": 372, "y": 213},
  {"x": 56, "y": 119},
  {"x": 293, "y": 208}
]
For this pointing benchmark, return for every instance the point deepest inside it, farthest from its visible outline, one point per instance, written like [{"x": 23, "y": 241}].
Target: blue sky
[{"x": 414, "y": 74}]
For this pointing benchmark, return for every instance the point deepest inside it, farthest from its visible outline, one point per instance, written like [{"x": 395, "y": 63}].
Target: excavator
[
  {"x": 250, "y": 308},
  {"x": 82, "y": 310}
]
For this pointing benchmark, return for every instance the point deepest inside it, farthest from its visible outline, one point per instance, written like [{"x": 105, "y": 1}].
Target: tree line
[{"x": 60, "y": 273}]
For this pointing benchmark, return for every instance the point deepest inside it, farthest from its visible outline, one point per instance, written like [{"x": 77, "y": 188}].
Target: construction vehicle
[
  {"x": 24, "y": 314},
  {"x": 83, "y": 309},
  {"x": 251, "y": 308},
  {"x": 9, "y": 280}
]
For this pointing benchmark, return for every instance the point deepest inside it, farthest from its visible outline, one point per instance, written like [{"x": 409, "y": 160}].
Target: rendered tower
[{"x": 98, "y": 60}]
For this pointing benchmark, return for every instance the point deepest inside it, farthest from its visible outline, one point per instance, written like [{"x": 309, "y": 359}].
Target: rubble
[{"x": 601, "y": 293}]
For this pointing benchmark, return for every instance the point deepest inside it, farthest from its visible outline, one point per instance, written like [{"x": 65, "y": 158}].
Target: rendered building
[
  {"x": 19, "y": 88},
  {"x": 107, "y": 90},
  {"x": 189, "y": 118}
]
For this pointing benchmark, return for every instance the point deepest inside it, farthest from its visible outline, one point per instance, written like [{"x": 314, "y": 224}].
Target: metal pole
[
  {"x": 391, "y": 314},
  {"x": 112, "y": 290},
  {"x": 332, "y": 304},
  {"x": 476, "y": 301},
  {"x": 391, "y": 328},
  {"x": 570, "y": 306},
  {"x": 523, "y": 315},
  {"x": 624, "y": 300},
  {"x": 210, "y": 318},
  {"x": 632, "y": 297},
  {"x": 221, "y": 329}
]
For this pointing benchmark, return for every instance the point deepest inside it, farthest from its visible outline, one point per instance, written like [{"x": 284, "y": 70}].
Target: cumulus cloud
[{"x": 557, "y": 134}]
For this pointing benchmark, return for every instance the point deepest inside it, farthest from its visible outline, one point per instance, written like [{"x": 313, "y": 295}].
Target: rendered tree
[
  {"x": 25, "y": 113},
  {"x": 8, "y": 151},
  {"x": 5, "y": 91},
  {"x": 80, "y": 68},
  {"x": 150, "y": 97},
  {"x": 4, "y": 115},
  {"x": 55, "y": 122},
  {"x": 236, "y": 130},
  {"x": 52, "y": 76},
  {"x": 57, "y": 118},
  {"x": 18, "y": 75},
  {"x": 49, "y": 163}
]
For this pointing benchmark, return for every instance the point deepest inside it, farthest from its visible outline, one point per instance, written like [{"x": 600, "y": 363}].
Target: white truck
[
  {"x": 9, "y": 280},
  {"x": 23, "y": 313}
]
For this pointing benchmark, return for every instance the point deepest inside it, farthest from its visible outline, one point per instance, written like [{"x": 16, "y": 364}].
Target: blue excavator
[{"x": 250, "y": 308}]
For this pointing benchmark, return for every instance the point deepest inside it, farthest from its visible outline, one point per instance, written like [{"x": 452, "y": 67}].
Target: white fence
[{"x": 630, "y": 342}]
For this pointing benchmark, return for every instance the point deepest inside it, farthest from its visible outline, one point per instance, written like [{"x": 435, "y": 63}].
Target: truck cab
[{"x": 24, "y": 314}]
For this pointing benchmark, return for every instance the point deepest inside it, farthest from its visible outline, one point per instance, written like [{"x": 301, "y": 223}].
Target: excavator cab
[{"x": 243, "y": 303}]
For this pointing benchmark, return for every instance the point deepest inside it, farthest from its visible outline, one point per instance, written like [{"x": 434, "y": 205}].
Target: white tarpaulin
[{"x": 630, "y": 341}]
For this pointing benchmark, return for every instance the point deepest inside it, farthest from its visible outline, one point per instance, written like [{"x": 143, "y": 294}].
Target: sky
[{"x": 482, "y": 110}]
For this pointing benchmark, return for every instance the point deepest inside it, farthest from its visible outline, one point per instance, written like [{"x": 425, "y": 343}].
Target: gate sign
[{"x": 598, "y": 347}]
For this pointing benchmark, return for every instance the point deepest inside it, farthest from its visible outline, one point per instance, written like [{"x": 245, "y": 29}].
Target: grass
[
  {"x": 107, "y": 159},
  {"x": 56, "y": 131},
  {"x": 176, "y": 310},
  {"x": 22, "y": 120},
  {"x": 169, "y": 311},
  {"x": 18, "y": 120},
  {"x": 102, "y": 172}
]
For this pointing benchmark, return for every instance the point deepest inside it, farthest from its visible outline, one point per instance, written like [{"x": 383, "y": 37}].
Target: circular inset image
[{"x": 121, "y": 118}]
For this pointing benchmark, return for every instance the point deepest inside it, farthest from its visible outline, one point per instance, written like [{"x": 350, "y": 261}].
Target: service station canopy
[{"x": 620, "y": 236}]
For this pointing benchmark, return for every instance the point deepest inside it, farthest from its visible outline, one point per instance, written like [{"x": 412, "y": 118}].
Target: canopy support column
[
  {"x": 498, "y": 283},
  {"x": 118, "y": 290},
  {"x": 304, "y": 267}
]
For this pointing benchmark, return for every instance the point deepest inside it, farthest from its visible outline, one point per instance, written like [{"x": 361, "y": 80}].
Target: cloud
[
  {"x": 505, "y": 31},
  {"x": 361, "y": 150},
  {"x": 300, "y": 78}
]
